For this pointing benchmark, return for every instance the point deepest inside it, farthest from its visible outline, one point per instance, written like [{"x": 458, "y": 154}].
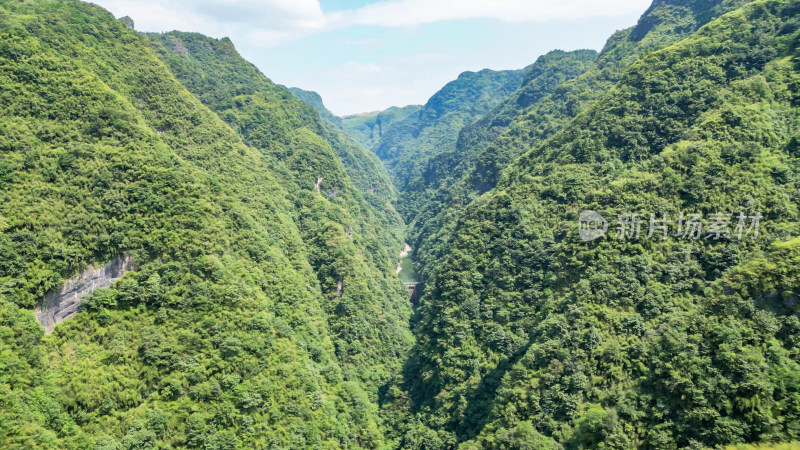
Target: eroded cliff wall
[{"x": 60, "y": 305}]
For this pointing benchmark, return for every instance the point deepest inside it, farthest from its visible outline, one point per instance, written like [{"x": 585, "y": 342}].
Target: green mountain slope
[
  {"x": 369, "y": 129},
  {"x": 454, "y": 178},
  {"x": 352, "y": 245},
  {"x": 483, "y": 151},
  {"x": 264, "y": 312},
  {"x": 529, "y": 336},
  {"x": 548, "y": 73},
  {"x": 230, "y": 333},
  {"x": 406, "y": 145},
  {"x": 364, "y": 167},
  {"x": 314, "y": 99}
]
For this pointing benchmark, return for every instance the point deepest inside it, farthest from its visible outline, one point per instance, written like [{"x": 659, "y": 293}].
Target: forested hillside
[
  {"x": 352, "y": 246},
  {"x": 363, "y": 166},
  {"x": 562, "y": 87},
  {"x": 458, "y": 174},
  {"x": 369, "y": 128},
  {"x": 263, "y": 311},
  {"x": 315, "y": 100},
  {"x": 530, "y": 337},
  {"x": 407, "y": 138}
]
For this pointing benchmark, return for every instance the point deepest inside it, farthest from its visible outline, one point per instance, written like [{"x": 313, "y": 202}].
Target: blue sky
[{"x": 367, "y": 55}]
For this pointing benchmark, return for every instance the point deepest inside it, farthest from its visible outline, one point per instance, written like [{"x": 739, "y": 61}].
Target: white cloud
[
  {"x": 273, "y": 22},
  {"x": 396, "y": 13},
  {"x": 280, "y": 14},
  {"x": 267, "y": 22}
]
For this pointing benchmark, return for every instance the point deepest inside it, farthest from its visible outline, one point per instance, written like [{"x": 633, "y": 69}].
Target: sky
[{"x": 368, "y": 55}]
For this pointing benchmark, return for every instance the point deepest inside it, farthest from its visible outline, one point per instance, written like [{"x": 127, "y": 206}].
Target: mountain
[
  {"x": 369, "y": 129},
  {"x": 531, "y": 337},
  {"x": 352, "y": 243},
  {"x": 487, "y": 146},
  {"x": 314, "y": 99},
  {"x": 364, "y": 168},
  {"x": 411, "y": 136},
  {"x": 454, "y": 177},
  {"x": 192, "y": 256},
  {"x": 263, "y": 309}
]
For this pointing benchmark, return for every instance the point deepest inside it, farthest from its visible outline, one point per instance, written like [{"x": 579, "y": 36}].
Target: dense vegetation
[
  {"x": 564, "y": 86},
  {"x": 314, "y": 100},
  {"x": 471, "y": 165},
  {"x": 352, "y": 246},
  {"x": 265, "y": 312},
  {"x": 529, "y": 337},
  {"x": 234, "y": 331},
  {"x": 363, "y": 167},
  {"x": 368, "y": 129},
  {"x": 408, "y": 137}
]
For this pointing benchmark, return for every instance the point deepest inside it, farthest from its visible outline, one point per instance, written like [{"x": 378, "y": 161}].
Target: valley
[{"x": 193, "y": 256}]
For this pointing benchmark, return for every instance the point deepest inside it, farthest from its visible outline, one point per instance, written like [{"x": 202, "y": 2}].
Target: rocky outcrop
[
  {"x": 60, "y": 305},
  {"x": 403, "y": 254}
]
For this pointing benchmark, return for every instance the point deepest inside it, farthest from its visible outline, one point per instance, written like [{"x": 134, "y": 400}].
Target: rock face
[{"x": 62, "y": 304}]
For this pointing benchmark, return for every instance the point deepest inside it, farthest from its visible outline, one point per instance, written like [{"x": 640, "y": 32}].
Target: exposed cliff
[{"x": 60, "y": 305}]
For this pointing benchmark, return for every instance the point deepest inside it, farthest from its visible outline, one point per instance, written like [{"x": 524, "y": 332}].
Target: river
[{"x": 406, "y": 269}]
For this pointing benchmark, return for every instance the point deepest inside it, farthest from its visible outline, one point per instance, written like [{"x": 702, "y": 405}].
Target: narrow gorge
[{"x": 195, "y": 256}]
